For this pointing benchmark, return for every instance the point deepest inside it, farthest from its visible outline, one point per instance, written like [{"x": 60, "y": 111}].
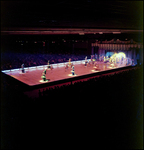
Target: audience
[{"x": 13, "y": 60}]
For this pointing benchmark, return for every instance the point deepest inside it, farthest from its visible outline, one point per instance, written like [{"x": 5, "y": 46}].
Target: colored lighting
[
  {"x": 121, "y": 54},
  {"x": 118, "y": 55}
]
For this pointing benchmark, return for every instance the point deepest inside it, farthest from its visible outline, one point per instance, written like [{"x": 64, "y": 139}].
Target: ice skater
[
  {"x": 51, "y": 67},
  {"x": 44, "y": 75},
  {"x": 66, "y": 67},
  {"x": 48, "y": 65},
  {"x": 23, "y": 70},
  {"x": 70, "y": 64},
  {"x": 104, "y": 59},
  {"x": 73, "y": 72},
  {"x": 96, "y": 66},
  {"x": 86, "y": 61}
]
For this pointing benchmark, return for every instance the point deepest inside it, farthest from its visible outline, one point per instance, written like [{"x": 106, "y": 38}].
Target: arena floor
[{"x": 32, "y": 75}]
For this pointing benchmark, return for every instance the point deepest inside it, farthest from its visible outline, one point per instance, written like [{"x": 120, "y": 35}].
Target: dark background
[
  {"x": 116, "y": 125},
  {"x": 88, "y": 13}
]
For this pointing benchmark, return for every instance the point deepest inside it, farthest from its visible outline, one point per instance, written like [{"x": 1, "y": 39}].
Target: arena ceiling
[{"x": 71, "y": 17}]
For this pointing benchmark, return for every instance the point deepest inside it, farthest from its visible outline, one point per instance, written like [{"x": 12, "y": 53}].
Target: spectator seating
[{"x": 11, "y": 60}]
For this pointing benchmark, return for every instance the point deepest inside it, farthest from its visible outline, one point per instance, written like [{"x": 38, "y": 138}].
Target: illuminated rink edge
[
  {"x": 45, "y": 66},
  {"x": 118, "y": 58},
  {"x": 57, "y": 65}
]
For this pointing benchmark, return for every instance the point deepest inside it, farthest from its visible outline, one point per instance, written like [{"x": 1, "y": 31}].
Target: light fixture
[
  {"x": 116, "y": 32},
  {"x": 100, "y": 32},
  {"x": 81, "y": 33}
]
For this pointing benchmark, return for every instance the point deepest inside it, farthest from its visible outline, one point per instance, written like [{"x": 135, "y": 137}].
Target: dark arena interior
[{"x": 72, "y": 74}]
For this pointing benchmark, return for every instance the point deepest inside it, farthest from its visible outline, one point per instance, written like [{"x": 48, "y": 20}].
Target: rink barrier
[{"x": 45, "y": 66}]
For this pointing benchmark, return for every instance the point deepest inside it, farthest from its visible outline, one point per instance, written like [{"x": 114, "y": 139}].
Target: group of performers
[
  {"x": 50, "y": 67},
  {"x": 93, "y": 61}
]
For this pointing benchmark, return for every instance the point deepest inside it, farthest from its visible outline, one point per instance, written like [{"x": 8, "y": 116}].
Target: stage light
[
  {"x": 100, "y": 32},
  {"x": 81, "y": 33},
  {"x": 120, "y": 54},
  {"x": 116, "y": 32}
]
